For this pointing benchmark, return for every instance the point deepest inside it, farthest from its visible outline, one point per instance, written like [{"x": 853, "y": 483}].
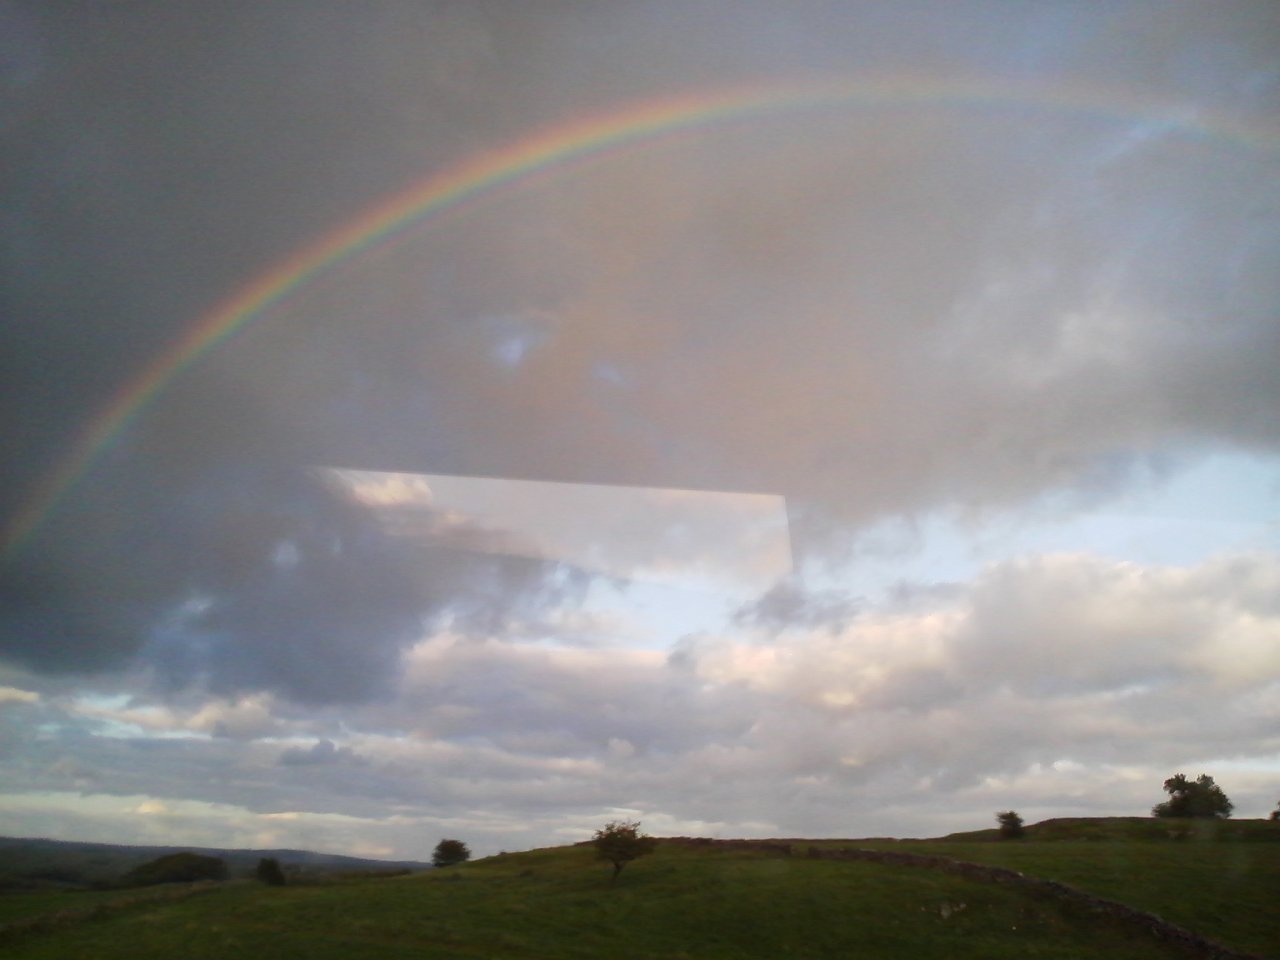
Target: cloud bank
[{"x": 975, "y": 346}]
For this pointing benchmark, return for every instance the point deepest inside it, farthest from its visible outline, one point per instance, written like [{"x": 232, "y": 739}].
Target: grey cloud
[
  {"x": 321, "y": 752},
  {"x": 580, "y": 699},
  {"x": 197, "y": 586},
  {"x": 118, "y": 122},
  {"x": 788, "y": 604},
  {"x": 1031, "y": 358},
  {"x": 910, "y": 594},
  {"x": 1074, "y": 623},
  {"x": 780, "y": 312},
  {"x": 241, "y": 722},
  {"x": 253, "y": 577},
  {"x": 543, "y": 736},
  {"x": 878, "y": 311}
]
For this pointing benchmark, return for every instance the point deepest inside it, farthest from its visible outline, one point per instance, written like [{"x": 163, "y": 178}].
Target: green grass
[
  {"x": 1137, "y": 828},
  {"x": 20, "y": 905},
  {"x": 558, "y": 903},
  {"x": 1224, "y": 886}
]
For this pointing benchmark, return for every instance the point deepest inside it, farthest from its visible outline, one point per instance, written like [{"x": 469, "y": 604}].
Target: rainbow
[{"x": 551, "y": 149}]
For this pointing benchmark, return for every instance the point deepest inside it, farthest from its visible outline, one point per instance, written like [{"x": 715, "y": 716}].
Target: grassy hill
[
  {"x": 713, "y": 902},
  {"x": 1135, "y": 828},
  {"x": 26, "y": 862},
  {"x": 1221, "y": 880}
]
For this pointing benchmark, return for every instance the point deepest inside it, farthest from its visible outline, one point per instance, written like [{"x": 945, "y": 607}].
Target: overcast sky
[{"x": 854, "y": 466}]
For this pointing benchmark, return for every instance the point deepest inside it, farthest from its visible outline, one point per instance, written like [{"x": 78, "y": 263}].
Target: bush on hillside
[
  {"x": 177, "y": 868},
  {"x": 269, "y": 872},
  {"x": 1010, "y": 825},
  {"x": 450, "y": 852}
]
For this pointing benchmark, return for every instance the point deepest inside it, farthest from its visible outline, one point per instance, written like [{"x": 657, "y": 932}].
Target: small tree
[
  {"x": 269, "y": 872},
  {"x": 620, "y": 842},
  {"x": 1193, "y": 798},
  {"x": 449, "y": 853},
  {"x": 1010, "y": 825}
]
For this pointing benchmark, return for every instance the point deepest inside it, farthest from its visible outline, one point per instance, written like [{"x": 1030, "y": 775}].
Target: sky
[{"x": 487, "y": 420}]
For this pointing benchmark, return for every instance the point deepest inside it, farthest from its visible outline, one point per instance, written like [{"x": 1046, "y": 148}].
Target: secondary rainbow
[{"x": 514, "y": 164}]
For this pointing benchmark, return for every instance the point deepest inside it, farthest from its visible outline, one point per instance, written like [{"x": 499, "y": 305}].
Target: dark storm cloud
[
  {"x": 156, "y": 158},
  {"x": 159, "y": 155},
  {"x": 250, "y": 576},
  {"x": 201, "y": 548}
]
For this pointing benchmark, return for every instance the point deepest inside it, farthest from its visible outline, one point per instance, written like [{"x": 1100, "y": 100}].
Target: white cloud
[
  {"x": 245, "y": 718},
  {"x": 1056, "y": 685}
]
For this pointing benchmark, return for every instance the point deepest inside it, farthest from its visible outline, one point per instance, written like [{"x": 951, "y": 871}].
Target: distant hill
[
  {"x": 41, "y": 862},
  {"x": 1133, "y": 828}
]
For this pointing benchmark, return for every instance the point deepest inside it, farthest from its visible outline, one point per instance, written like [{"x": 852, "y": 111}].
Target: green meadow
[
  {"x": 1220, "y": 879},
  {"x": 705, "y": 902}
]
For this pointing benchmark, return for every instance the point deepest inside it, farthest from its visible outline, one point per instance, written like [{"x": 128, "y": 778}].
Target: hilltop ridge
[{"x": 38, "y": 860}]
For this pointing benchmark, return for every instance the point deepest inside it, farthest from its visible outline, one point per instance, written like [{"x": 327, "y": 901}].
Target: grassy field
[
  {"x": 1222, "y": 881},
  {"x": 705, "y": 903},
  {"x": 23, "y": 904}
]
